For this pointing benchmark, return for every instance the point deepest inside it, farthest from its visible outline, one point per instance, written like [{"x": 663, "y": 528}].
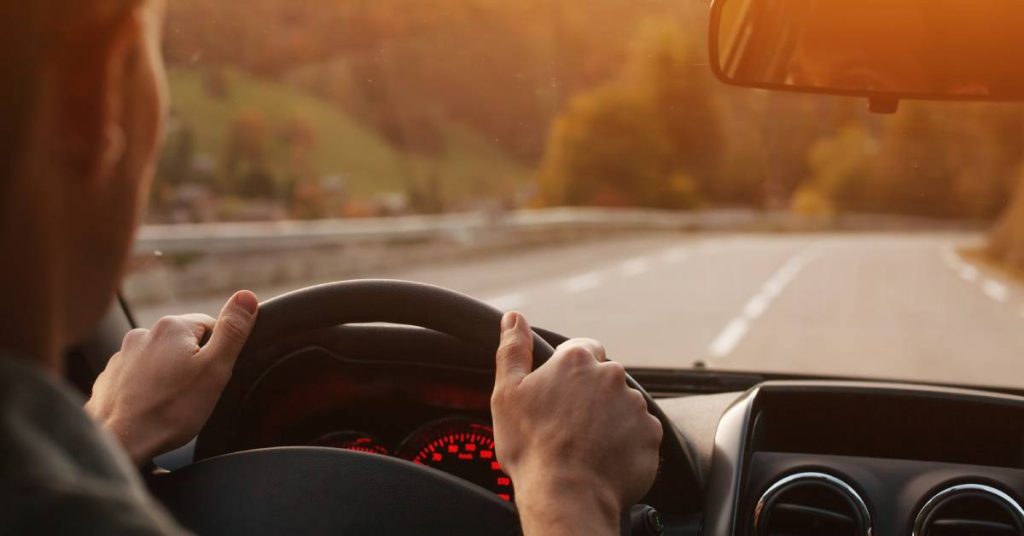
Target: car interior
[{"x": 362, "y": 406}]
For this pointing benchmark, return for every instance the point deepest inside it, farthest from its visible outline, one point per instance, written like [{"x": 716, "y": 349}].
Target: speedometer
[
  {"x": 462, "y": 448},
  {"x": 349, "y": 440}
]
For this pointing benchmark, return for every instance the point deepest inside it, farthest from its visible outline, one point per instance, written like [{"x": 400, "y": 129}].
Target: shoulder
[
  {"x": 59, "y": 473},
  {"x": 86, "y": 506},
  {"x": 44, "y": 433}
]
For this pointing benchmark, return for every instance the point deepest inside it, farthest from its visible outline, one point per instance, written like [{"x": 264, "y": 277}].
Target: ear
[{"x": 90, "y": 73}]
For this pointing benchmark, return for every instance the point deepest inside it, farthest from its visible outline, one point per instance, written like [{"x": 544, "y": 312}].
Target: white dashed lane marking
[
  {"x": 734, "y": 331},
  {"x": 508, "y": 302},
  {"x": 582, "y": 282},
  {"x": 756, "y": 306},
  {"x": 675, "y": 255},
  {"x": 635, "y": 267},
  {"x": 591, "y": 280},
  {"x": 727, "y": 340},
  {"x": 951, "y": 259},
  {"x": 995, "y": 290}
]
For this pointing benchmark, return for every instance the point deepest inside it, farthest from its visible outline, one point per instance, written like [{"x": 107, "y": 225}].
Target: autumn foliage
[{"x": 601, "y": 102}]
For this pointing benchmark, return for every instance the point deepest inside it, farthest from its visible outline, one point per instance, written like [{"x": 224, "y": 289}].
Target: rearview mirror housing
[{"x": 884, "y": 50}]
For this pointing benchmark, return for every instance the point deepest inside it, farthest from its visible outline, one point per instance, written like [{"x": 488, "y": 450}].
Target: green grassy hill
[{"x": 470, "y": 166}]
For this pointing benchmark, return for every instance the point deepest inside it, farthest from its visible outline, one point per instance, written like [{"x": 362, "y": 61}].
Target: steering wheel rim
[
  {"x": 360, "y": 302},
  {"x": 363, "y": 301},
  {"x": 384, "y": 300}
]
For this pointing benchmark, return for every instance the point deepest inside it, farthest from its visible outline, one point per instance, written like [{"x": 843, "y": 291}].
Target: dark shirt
[{"x": 59, "y": 472}]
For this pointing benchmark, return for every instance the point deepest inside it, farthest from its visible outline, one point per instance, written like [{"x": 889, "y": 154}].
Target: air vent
[
  {"x": 971, "y": 510},
  {"x": 811, "y": 504}
]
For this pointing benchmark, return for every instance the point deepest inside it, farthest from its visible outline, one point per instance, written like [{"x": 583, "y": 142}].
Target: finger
[
  {"x": 615, "y": 372},
  {"x": 514, "y": 359},
  {"x": 134, "y": 338},
  {"x": 590, "y": 346},
  {"x": 200, "y": 325},
  {"x": 636, "y": 399},
  {"x": 595, "y": 348},
  {"x": 232, "y": 328}
]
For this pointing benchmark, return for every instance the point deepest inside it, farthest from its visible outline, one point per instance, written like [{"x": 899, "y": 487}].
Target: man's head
[{"x": 83, "y": 99}]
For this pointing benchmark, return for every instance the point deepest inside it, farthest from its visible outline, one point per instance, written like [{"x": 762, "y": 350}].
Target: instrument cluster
[{"x": 458, "y": 446}]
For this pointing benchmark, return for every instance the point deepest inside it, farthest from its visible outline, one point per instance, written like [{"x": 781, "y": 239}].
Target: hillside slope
[{"x": 344, "y": 147}]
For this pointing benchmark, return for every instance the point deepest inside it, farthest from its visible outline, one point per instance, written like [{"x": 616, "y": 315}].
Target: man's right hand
[
  {"x": 159, "y": 390},
  {"x": 577, "y": 442}
]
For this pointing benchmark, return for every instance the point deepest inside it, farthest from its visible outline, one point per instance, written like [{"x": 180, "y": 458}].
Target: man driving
[{"x": 84, "y": 100}]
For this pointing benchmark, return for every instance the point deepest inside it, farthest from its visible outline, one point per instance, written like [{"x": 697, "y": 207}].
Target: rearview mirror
[{"x": 885, "y": 50}]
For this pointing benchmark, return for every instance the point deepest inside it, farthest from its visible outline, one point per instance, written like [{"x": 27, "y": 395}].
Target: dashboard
[
  {"x": 842, "y": 458},
  {"x": 794, "y": 458},
  {"x": 429, "y": 409}
]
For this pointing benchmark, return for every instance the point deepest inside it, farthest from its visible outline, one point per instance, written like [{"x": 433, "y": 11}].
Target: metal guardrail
[
  {"x": 467, "y": 227},
  {"x": 278, "y": 235},
  {"x": 215, "y": 258}
]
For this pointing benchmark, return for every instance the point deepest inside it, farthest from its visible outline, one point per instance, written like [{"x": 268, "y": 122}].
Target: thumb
[
  {"x": 515, "y": 352},
  {"x": 232, "y": 328}
]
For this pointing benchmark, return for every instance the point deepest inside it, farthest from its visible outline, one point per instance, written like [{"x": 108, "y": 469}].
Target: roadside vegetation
[{"x": 1006, "y": 241}]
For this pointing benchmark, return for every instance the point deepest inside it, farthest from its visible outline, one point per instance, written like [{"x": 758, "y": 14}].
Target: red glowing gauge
[
  {"x": 461, "y": 448},
  {"x": 351, "y": 441}
]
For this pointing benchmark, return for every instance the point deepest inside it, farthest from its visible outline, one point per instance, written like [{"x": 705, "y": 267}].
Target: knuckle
[
  {"x": 571, "y": 343},
  {"x": 636, "y": 399},
  {"x": 595, "y": 347},
  {"x": 615, "y": 372},
  {"x": 168, "y": 324},
  {"x": 495, "y": 400},
  {"x": 658, "y": 431},
  {"x": 134, "y": 336},
  {"x": 497, "y": 397},
  {"x": 498, "y": 404},
  {"x": 575, "y": 354},
  {"x": 200, "y": 320}
]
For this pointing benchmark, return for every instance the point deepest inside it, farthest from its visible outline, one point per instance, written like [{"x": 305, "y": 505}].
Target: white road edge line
[
  {"x": 582, "y": 282},
  {"x": 995, "y": 290},
  {"x": 507, "y": 302},
  {"x": 734, "y": 331},
  {"x": 969, "y": 274},
  {"x": 756, "y": 306},
  {"x": 675, "y": 254},
  {"x": 992, "y": 288},
  {"x": 951, "y": 259},
  {"x": 727, "y": 340},
  {"x": 635, "y": 267}
]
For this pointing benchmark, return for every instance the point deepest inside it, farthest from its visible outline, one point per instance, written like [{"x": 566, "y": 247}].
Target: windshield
[{"x": 577, "y": 161}]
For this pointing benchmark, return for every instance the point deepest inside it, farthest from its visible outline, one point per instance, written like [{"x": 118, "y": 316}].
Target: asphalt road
[{"x": 901, "y": 306}]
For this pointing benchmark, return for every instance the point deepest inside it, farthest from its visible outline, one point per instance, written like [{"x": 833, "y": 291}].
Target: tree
[
  {"x": 247, "y": 164},
  {"x": 650, "y": 138},
  {"x": 841, "y": 167},
  {"x": 666, "y": 66},
  {"x": 608, "y": 148}
]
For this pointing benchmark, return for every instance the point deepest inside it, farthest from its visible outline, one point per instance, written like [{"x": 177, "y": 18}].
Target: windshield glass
[{"x": 577, "y": 161}]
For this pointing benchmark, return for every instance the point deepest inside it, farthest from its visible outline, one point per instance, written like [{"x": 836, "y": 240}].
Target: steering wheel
[{"x": 326, "y": 490}]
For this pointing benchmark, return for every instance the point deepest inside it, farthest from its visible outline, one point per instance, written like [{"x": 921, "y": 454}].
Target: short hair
[{"x": 28, "y": 28}]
